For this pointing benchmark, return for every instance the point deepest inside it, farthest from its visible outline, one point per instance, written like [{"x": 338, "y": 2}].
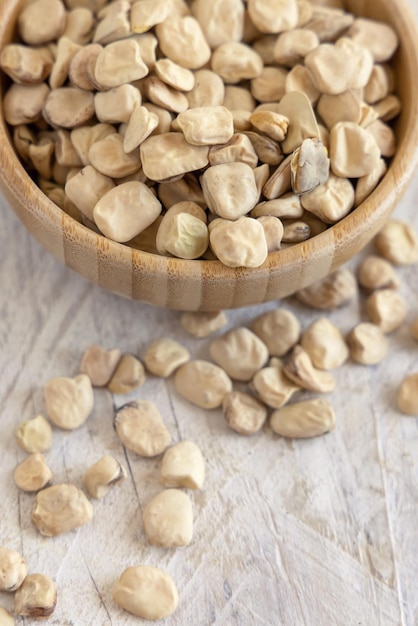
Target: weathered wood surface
[{"x": 315, "y": 533}]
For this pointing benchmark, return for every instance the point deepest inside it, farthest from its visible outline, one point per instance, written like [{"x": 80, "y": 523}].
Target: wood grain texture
[
  {"x": 302, "y": 533},
  {"x": 208, "y": 285}
]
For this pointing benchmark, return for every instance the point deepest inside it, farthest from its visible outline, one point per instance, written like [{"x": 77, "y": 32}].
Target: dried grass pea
[
  {"x": 183, "y": 465},
  {"x": 102, "y": 475},
  {"x": 34, "y": 435},
  {"x": 13, "y": 569},
  {"x": 37, "y": 597},
  {"x": 146, "y": 591},
  {"x": 33, "y": 473}
]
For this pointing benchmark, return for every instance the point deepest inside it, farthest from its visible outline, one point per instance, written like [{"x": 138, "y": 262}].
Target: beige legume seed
[
  {"x": 267, "y": 150},
  {"x": 160, "y": 94},
  {"x": 273, "y": 230},
  {"x": 79, "y": 25},
  {"x": 221, "y": 20},
  {"x": 174, "y": 75},
  {"x": 65, "y": 152},
  {"x": 238, "y": 149},
  {"x": 378, "y": 86},
  {"x": 69, "y": 401},
  {"x": 169, "y": 154},
  {"x": 309, "y": 166},
  {"x": 164, "y": 355},
  {"x": 141, "y": 124},
  {"x": 273, "y": 16},
  {"x": 68, "y": 107},
  {"x": 230, "y": 189},
  {"x": 240, "y": 243},
  {"x": 86, "y": 188},
  {"x": 114, "y": 22},
  {"x": 13, "y": 569},
  {"x": 148, "y": 13},
  {"x": 146, "y": 591},
  {"x": 300, "y": 369},
  {"x": 272, "y": 124},
  {"x": 384, "y": 137},
  {"x": 325, "y": 344},
  {"x": 206, "y": 125},
  {"x": 272, "y": 385},
  {"x": 331, "y": 292},
  {"x": 291, "y": 47},
  {"x": 202, "y": 324},
  {"x": 367, "y": 184},
  {"x": 59, "y": 509},
  {"x": 270, "y": 85},
  {"x": 99, "y": 364},
  {"x": 407, "y": 396},
  {"x": 187, "y": 236},
  {"x": 102, "y": 475},
  {"x": 377, "y": 273},
  {"x": 235, "y": 61},
  {"x": 243, "y": 413},
  {"x": 83, "y": 138},
  {"x": 66, "y": 50},
  {"x": 23, "y": 104},
  {"x": 278, "y": 329},
  {"x": 378, "y": 37},
  {"x": 183, "y": 465},
  {"x": 165, "y": 227},
  {"x": 6, "y": 619},
  {"x": 37, "y": 597},
  {"x": 26, "y": 65},
  {"x": 78, "y": 74},
  {"x": 108, "y": 157},
  {"x": 240, "y": 352},
  {"x": 117, "y": 215},
  {"x": 388, "y": 108},
  {"x": 118, "y": 63},
  {"x": 128, "y": 375},
  {"x": 208, "y": 90},
  {"x": 141, "y": 429},
  {"x": 387, "y": 309},
  {"x": 330, "y": 201},
  {"x": 34, "y": 435},
  {"x": 354, "y": 151},
  {"x": 367, "y": 344},
  {"x": 32, "y": 473},
  {"x": 295, "y": 231},
  {"x": 181, "y": 39},
  {"x": 287, "y": 206},
  {"x": 41, "y": 21},
  {"x": 117, "y": 105},
  {"x": 280, "y": 182},
  {"x": 168, "y": 519},
  {"x": 344, "y": 107},
  {"x": 398, "y": 243},
  {"x": 309, "y": 418},
  {"x": 202, "y": 383},
  {"x": 329, "y": 21},
  {"x": 302, "y": 120},
  {"x": 299, "y": 79},
  {"x": 238, "y": 98}
]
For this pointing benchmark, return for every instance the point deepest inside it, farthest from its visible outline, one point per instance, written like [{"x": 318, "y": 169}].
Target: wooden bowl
[{"x": 208, "y": 285}]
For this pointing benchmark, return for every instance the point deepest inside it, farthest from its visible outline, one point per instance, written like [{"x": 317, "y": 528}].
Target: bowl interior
[{"x": 209, "y": 285}]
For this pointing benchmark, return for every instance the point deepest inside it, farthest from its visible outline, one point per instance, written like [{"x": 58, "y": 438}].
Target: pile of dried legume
[
  {"x": 216, "y": 130},
  {"x": 274, "y": 357}
]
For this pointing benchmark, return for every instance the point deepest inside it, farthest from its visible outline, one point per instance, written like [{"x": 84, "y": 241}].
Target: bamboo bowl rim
[{"x": 165, "y": 281}]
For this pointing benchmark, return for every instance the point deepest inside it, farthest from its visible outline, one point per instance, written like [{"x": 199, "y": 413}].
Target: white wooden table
[{"x": 287, "y": 533}]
